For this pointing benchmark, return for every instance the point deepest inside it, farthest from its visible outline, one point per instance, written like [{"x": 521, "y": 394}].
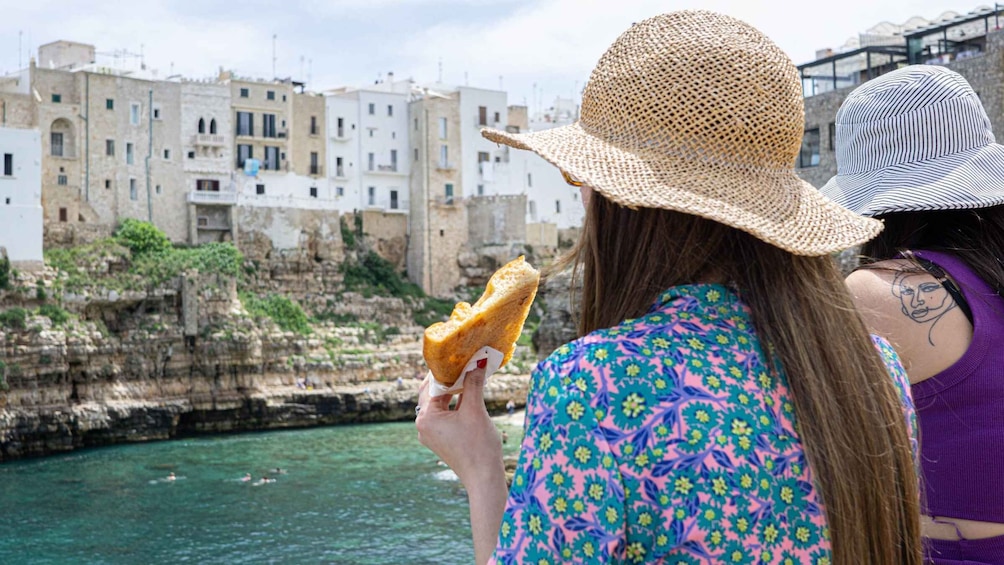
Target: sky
[{"x": 536, "y": 50}]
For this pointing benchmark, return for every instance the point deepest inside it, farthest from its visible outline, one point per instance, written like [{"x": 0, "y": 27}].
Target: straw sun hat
[
  {"x": 915, "y": 139},
  {"x": 700, "y": 113}
]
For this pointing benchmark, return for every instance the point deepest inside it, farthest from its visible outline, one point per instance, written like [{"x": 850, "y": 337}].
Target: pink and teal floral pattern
[{"x": 666, "y": 439}]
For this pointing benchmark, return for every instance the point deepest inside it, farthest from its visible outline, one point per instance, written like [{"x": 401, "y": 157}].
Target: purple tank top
[{"x": 961, "y": 411}]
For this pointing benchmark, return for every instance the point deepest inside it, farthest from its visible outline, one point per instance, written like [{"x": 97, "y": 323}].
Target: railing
[
  {"x": 226, "y": 198},
  {"x": 340, "y": 172},
  {"x": 339, "y": 134},
  {"x": 448, "y": 200},
  {"x": 210, "y": 139},
  {"x": 388, "y": 205},
  {"x": 316, "y": 170},
  {"x": 445, "y": 166}
]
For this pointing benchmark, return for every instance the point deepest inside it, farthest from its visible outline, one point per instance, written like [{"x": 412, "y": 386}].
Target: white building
[
  {"x": 368, "y": 152},
  {"x": 21, "y": 195}
]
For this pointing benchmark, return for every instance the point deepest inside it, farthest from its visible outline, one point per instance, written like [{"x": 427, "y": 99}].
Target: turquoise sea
[{"x": 348, "y": 494}]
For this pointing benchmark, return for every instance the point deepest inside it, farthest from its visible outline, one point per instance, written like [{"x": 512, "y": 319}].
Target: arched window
[
  {"x": 62, "y": 139},
  {"x": 212, "y": 126},
  {"x": 202, "y": 125}
]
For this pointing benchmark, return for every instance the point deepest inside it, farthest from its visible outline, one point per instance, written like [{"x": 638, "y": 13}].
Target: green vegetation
[
  {"x": 40, "y": 293},
  {"x": 54, "y": 313},
  {"x": 14, "y": 319},
  {"x": 142, "y": 237},
  {"x": 373, "y": 275},
  {"x": 284, "y": 312},
  {"x": 4, "y": 387},
  {"x": 348, "y": 236},
  {"x": 433, "y": 310},
  {"x": 5, "y": 273}
]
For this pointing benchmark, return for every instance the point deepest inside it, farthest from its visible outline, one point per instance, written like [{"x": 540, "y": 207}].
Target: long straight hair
[
  {"x": 974, "y": 236},
  {"x": 849, "y": 412}
]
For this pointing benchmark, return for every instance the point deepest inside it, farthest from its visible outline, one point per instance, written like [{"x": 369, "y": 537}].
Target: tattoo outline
[{"x": 922, "y": 301}]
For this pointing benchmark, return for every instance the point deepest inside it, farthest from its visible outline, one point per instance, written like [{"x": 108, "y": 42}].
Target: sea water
[{"x": 347, "y": 494}]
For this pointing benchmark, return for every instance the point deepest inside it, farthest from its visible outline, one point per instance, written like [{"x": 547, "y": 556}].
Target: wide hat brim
[
  {"x": 794, "y": 216},
  {"x": 968, "y": 179}
]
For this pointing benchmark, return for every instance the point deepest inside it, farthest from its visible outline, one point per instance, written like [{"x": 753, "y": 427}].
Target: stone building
[
  {"x": 207, "y": 133},
  {"x": 969, "y": 44}
]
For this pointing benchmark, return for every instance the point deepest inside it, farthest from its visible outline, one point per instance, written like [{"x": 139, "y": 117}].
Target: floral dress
[{"x": 666, "y": 439}]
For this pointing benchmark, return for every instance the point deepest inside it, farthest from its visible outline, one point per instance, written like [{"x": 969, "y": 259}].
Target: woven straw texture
[{"x": 700, "y": 113}]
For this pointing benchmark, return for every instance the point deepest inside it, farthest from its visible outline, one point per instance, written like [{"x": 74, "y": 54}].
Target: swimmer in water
[
  {"x": 171, "y": 477},
  {"x": 246, "y": 478}
]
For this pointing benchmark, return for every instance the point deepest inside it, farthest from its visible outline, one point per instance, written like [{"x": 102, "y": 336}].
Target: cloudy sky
[{"x": 536, "y": 49}]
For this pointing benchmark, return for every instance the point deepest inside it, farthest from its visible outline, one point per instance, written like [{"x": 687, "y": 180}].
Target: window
[
  {"x": 529, "y": 180},
  {"x": 483, "y": 157},
  {"x": 339, "y": 191},
  {"x": 416, "y": 124},
  {"x": 442, "y": 128},
  {"x": 108, "y": 183},
  {"x": 833, "y": 135},
  {"x": 416, "y": 154},
  {"x": 62, "y": 214},
  {"x": 202, "y": 125},
  {"x": 271, "y": 162},
  {"x": 270, "y": 95},
  {"x": 134, "y": 113},
  {"x": 167, "y": 154},
  {"x": 443, "y": 157},
  {"x": 393, "y": 200},
  {"x": 371, "y": 196},
  {"x": 268, "y": 125},
  {"x": 372, "y": 108},
  {"x": 557, "y": 206},
  {"x": 133, "y": 193},
  {"x": 393, "y": 135},
  {"x": 110, "y": 147},
  {"x": 212, "y": 126},
  {"x": 156, "y": 113},
  {"x": 498, "y": 118},
  {"x": 390, "y": 109},
  {"x": 207, "y": 185},
  {"x": 371, "y": 131},
  {"x": 109, "y": 104},
  {"x": 191, "y": 154},
  {"x": 339, "y": 167},
  {"x": 313, "y": 125},
  {"x": 130, "y": 158},
  {"x": 340, "y": 125},
  {"x": 56, "y": 99},
  {"x": 259, "y": 189},
  {"x": 481, "y": 190},
  {"x": 244, "y": 93},
  {"x": 244, "y": 152},
  {"x": 393, "y": 159},
  {"x": 482, "y": 116},
  {"x": 315, "y": 169},
  {"x": 61, "y": 180},
  {"x": 8, "y": 164},
  {"x": 245, "y": 123},
  {"x": 809, "y": 154},
  {"x": 532, "y": 206},
  {"x": 371, "y": 161},
  {"x": 313, "y": 192},
  {"x": 449, "y": 193},
  {"x": 157, "y": 189},
  {"x": 56, "y": 144}
]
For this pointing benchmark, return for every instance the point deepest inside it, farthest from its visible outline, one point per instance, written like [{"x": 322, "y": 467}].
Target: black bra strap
[{"x": 953, "y": 289}]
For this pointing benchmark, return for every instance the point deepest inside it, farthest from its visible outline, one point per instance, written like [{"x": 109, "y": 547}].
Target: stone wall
[
  {"x": 494, "y": 220},
  {"x": 386, "y": 233}
]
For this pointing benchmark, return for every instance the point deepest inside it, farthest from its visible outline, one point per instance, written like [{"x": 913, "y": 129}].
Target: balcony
[
  {"x": 445, "y": 166},
  {"x": 316, "y": 170},
  {"x": 340, "y": 172},
  {"x": 212, "y": 197},
  {"x": 488, "y": 122},
  {"x": 385, "y": 170},
  {"x": 442, "y": 200},
  {"x": 209, "y": 140},
  {"x": 340, "y": 134}
]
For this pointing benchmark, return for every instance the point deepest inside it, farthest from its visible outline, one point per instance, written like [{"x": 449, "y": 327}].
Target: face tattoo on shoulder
[{"x": 923, "y": 301}]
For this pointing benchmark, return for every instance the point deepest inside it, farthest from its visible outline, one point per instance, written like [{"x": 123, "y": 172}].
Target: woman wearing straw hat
[
  {"x": 725, "y": 402},
  {"x": 915, "y": 148}
]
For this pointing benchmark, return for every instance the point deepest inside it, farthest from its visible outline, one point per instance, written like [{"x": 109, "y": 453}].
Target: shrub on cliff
[
  {"x": 54, "y": 313},
  {"x": 4, "y": 272},
  {"x": 284, "y": 312},
  {"x": 142, "y": 237},
  {"x": 14, "y": 319},
  {"x": 372, "y": 275}
]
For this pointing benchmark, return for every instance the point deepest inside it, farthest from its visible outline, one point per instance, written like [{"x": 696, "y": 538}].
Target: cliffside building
[{"x": 21, "y": 196}]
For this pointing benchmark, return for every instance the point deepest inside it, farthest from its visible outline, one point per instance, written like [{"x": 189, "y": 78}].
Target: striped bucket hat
[
  {"x": 915, "y": 139},
  {"x": 700, "y": 113}
]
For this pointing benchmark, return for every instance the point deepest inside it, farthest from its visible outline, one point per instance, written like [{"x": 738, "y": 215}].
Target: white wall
[
  {"x": 379, "y": 134},
  {"x": 286, "y": 190},
  {"x": 346, "y": 147},
  {"x": 542, "y": 183},
  {"x": 21, "y": 195},
  {"x": 471, "y": 140}
]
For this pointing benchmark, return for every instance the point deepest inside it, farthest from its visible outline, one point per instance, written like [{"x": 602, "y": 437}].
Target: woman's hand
[{"x": 465, "y": 438}]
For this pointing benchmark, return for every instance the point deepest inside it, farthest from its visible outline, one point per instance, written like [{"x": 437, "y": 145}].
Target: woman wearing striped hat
[
  {"x": 725, "y": 402},
  {"x": 915, "y": 149}
]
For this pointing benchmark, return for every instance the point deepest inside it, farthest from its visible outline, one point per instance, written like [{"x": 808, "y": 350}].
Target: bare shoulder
[{"x": 914, "y": 312}]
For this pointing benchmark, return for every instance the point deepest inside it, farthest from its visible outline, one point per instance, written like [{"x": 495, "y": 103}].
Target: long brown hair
[
  {"x": 975, "y": 236},
  {"x": 849, "y": 412}
]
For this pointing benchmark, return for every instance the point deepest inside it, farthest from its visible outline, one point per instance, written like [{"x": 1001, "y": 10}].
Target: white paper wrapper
[{"x": 493, "y": 360}]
